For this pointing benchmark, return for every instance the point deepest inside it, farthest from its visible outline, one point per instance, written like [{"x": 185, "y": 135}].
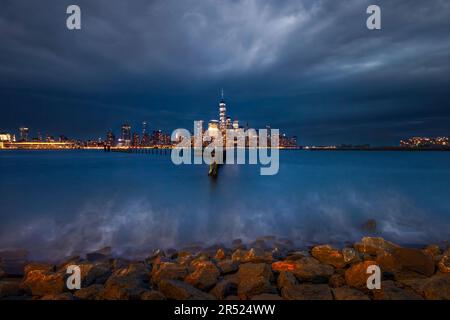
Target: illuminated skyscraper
[
  {"x": 23, "y": 133},
  {"x": 222, "y": 114},
  {"x": 126, "y": 134}
]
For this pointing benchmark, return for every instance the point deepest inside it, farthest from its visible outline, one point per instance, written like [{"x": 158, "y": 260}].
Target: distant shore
[{"x": 266, "y": 269}]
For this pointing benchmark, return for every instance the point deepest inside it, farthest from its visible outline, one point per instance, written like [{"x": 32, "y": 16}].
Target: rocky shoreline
[{"x": 267, "y": 269}]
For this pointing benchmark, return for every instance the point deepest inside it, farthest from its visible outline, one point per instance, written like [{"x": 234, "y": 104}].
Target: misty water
[{"x": 56, "y": 203}]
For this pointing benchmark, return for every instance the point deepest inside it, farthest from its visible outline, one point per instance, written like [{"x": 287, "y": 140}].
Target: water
[{"x": 58, "y": 203}]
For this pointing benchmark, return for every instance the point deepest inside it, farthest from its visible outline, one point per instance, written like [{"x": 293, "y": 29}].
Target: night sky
[{"x": 309, "y": 68}]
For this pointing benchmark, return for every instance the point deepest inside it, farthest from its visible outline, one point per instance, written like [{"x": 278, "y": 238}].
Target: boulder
[
  {"x": 228, "y": 266},
  {"x": 328, "y": 255},
  {"x": 337, "y": 280},
  {"x": 373, "y": 245},
  {"x": 94, "y": 273},
  {"x": 257, "y": 255},
  {"x": 205, "y": 275},
  {"x": 307, "y": 292},
  {"x": 179, "y": 290},
  {"x": 414, "y": 260},
  {"x": 89, "y": 293},
  {"x": 347, "y": 293},
  {"x": 356, "y": 276},
  {"x": 286, "y": 279},
  {"x": 432, "y": 250},
  {"x": 306, "y": 269},
  {"x": 152, "y": 295},
  {"x": 238, "y": 255},
  {"x": 10, "y": 287},
  {"x": 126, "y": 283},
  {"x": 254, "y": 279},
  {"x": 444, "y": 264},
  {"x": 224, "y": 288},
  {"x": 220, "y": 254},
  {"x": 38, "y": 266},
  {"x": 168, "y": 270},
  {"x": 388, "y": 262},
  {"x": 350, "y": 255},
  {"x": 42, "y": 282},
  {"x": 389, "y": 291}
]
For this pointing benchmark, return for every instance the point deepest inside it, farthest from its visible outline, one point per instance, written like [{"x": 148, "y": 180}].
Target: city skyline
[{"x": 312, "y": 68}]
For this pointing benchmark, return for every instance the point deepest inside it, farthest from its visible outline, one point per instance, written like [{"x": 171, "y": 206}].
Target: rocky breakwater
[{"x": 267, "y": 269}]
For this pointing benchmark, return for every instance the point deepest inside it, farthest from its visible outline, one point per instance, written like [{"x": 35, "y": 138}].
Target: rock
[
  {"x": 38, "y": 266},
  {"x": 169, "y": 270},
  {"x": 257, "y": 255},
  {"x": 389, "y": 291},
  {"x": 61, "y": 296},
  {"x": 254, "y": 279},
  {"x": 373, "y": 245},
  {"x": 227, "y": 266},
  {"x": 436, "y": 287},
  {"x": 152, "y": 295},
  {"x": 232, "y": 298},
  {"x": 337, "y": 280},
  {"x": 286, "y": 279},
  {"x": 432, "y": 250},
  {"x": 224, "y": 288},
  {"x": 347, "y": 293},
  {"x": 387, "y": 262},
  {"x": 42, "y": 282},
  {"x": 307, "y": 292},
  {"x": 444, "y": 264},
  {"x": 414, "y": 260},
  {"x": 297, "y": 255},
  {"x": 238, "y": 255},
  {"x": 350, "y": 255},
  {"x": 205, "y": 275},
  {"x": 126, "y": 283},
  {"x": 266, "y": 296},
  {"x": 94, "y": 273},
  {"x": 305, "y": 269},
  {"x": 89, "y": 293},
  {"x": 10, "y": 287},
  {"x": 328, "y": 255},
  {"x": 179, "y": 290},
  {"x": 220, "y": 254},
  {"x": 279, "y": 253},
  {"x": 369, "y": 226},
  {"x": 99, "y": 255},
  {"x": 356, "y": 276}
]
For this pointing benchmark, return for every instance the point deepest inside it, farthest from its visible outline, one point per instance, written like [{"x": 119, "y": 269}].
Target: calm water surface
[{"x": 58, "y": 203}]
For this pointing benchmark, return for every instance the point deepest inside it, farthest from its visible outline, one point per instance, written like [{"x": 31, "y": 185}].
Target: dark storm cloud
[{"x": 309, "y": 67}]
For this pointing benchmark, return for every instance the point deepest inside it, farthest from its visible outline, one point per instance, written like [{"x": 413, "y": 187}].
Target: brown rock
[
  {"x": 257, "y": 255},
  {"x": 266, "y": 296},
  {"x": 238, "y": 255},
  {"x": 89, "y": 293},
  {"x": 307, "y": 292},
  {"x": 432, "y": 250},
  {"x": 224, "y": 288},
  {"x": 227, "y": 266},
  {"x": 337, "y": 280},
  {"x": 220, "y": 254},
  {"x": 126, "y": 283},
  {"x": 286, "y": 279},
  {"x": 389, "y": 291},
  {"x": 328, "y": 255},
  {"x": 205, "y": 275},
  {"x": 10, "y": 287},
  {"x": 38, "y": 266},
  {"x": 437, "y": 287},
  {"x": 444, "y": 264},
  {"x": 414, "y": 260},
  {"x": 41, "y": 282},
  {"x": 347, "y": 293},
  {"x": 373, "y": 245},
  {"x": 179, "y": 290},
  {"x": 350, "y": 255},
  {"x": 152, "y": 295},
  {"x": 94, "y": 273},
  {"x": 356, "y": 276},
  {"x": 254, "y": 279},
  {"x": 309, "y": 269},
  {"x": 168, "y": 270},
  {"x": 387, "y": 262}
]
